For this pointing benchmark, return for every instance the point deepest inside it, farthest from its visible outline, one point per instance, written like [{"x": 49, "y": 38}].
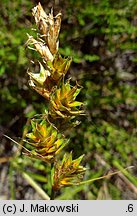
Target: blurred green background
[{"x": 101, "y": 36}]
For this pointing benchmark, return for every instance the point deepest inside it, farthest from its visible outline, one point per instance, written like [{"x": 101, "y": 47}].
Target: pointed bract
[
  {"x": 68, "y": 172},
  {"x": 45, "y": 140},
  {"x": 62, "y": 102}
]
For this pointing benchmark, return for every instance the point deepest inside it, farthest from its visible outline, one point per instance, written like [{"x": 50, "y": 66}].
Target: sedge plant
[
  {"x": 46, "y": 136},
  {"x": 46, "y": 139}
]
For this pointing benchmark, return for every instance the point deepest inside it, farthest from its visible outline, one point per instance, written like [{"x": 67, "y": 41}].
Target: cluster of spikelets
[
  {"x": 44, "y": 139},
  {"x": 68, "y": 172}
]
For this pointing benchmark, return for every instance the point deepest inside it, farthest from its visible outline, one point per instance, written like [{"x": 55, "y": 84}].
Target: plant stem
[
  {"x": 33, "y": 184},
  {"x": 11, "y": 180},
  {"x": 52, "y": 197},
  {"x": 36, "y": 186}
]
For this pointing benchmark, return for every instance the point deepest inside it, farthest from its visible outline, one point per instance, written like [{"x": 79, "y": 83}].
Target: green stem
[
  {"x": 11, "y": 180},
  {"x": 126, "y": 173},
  {"x": 52, "y": 197}
]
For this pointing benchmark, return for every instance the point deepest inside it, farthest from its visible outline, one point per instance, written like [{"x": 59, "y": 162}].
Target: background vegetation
[{"x": 100, "y": 35}]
